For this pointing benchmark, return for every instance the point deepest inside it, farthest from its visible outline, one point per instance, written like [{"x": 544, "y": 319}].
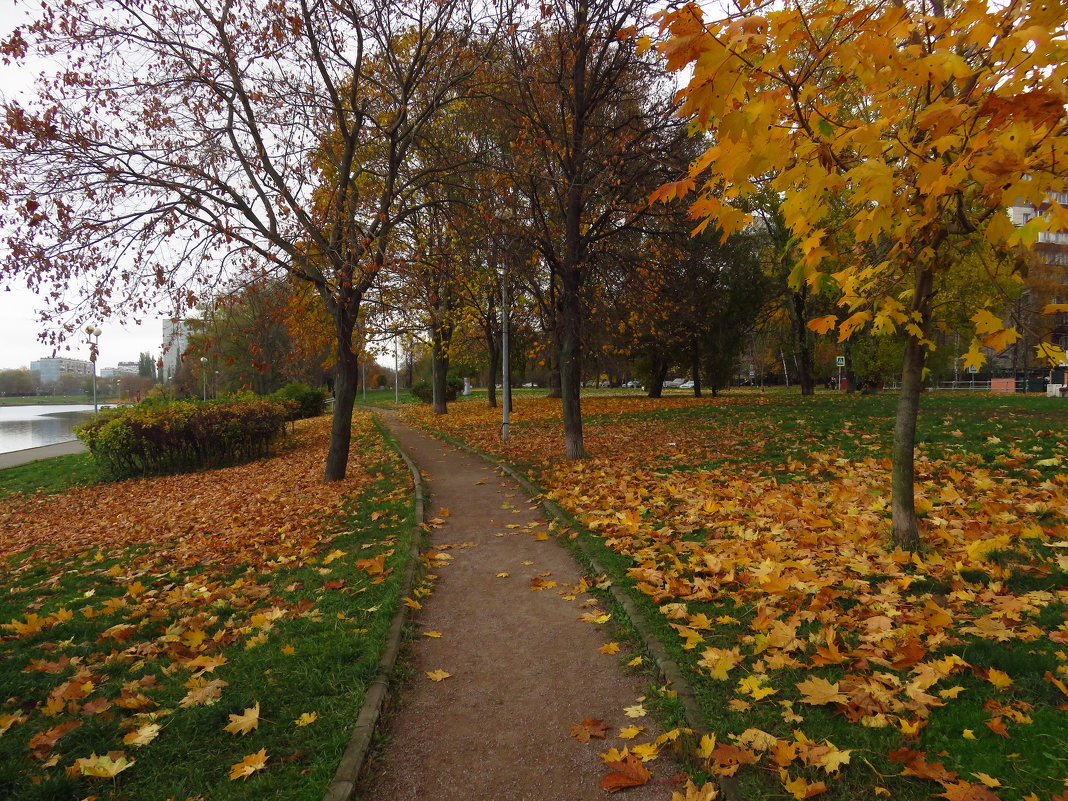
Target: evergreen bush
[{"x": 183, "y": 435}]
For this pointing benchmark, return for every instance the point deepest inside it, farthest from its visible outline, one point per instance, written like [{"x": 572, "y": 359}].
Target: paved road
[{"x": 27, "y": 455}]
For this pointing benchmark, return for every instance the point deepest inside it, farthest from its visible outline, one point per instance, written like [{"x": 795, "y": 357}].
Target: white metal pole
[{"x": 396, "y": 374}]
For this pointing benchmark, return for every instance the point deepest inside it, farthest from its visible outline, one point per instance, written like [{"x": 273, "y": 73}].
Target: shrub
[
  {"x": 425, "y": 392},
  {"x": 310, "y": 402},
  {"x": 183, "y": 435}
]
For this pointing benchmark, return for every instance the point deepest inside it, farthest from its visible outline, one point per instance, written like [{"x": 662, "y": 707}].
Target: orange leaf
[
  {"x": 590, "y": 727},
  {"x": 630, "y": 772},
  {"x": 249, "y": 765},
  {"x": 245, "y": 722}
]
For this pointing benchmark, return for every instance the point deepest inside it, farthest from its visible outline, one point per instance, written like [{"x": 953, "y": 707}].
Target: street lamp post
[
  {"x": 204, "y": 375},
  {"x": 506, "y": 374},
  {"x": 94, "y": 346}
]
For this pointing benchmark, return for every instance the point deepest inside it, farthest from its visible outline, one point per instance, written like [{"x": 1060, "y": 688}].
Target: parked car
[{"x": 686, "y": 385}]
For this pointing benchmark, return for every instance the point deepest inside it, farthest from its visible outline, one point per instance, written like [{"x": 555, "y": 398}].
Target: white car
[{"x": 686, "y": 385}]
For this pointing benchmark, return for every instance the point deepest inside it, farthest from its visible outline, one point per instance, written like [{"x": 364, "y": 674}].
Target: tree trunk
[
  {"x": 441, "y": 373},
  {"x": 571, "y": 365},
  {"x": 555, "y": 383},
  {"x": 346, "y": 379},
  {"x": 903, "y": 478},
  {"x": 695, "y": 368},
  {"x": 657, "y": 374},
  {"x": 803, "y": 342},
  {"x": 494, "y": 369}
]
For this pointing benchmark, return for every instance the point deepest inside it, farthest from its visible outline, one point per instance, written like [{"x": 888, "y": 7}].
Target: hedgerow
[
  {"x": 310, "y": 401},
  {"x": 183, "y": 435}
]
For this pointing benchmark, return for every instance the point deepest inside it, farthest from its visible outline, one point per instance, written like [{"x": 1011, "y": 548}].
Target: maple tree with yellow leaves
[{"x": 909, "y": 126}]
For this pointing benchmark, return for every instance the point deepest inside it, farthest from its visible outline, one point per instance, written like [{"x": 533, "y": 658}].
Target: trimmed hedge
[
  {"x": 183, "y": 435},
  {"x": 310, "y": 402}
]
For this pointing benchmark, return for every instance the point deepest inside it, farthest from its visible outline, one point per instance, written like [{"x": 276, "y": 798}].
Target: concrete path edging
[
  {"x": 27, "y": 455},
  {"x": 343, "y": 786}
]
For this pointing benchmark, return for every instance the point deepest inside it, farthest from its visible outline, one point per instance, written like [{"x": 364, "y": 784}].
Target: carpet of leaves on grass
[
  {"x": 770, "y": 561},
  {"x": 142, "y": 606}
]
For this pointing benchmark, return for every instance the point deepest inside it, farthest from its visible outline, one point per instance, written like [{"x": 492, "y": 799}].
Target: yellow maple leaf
[
  {"x": 974, "y": 357},
  {"x": 817, "y": 691},
  {"x": 986, "y": 322},
  {"x": 799, "y": 787},
  {"x": 202, "y": 692},
  {"x": 437, "y": 675},
  {"x": 951, "y": 692},
  {"x": 754, "y": 685},
  {"x": 999, "y": 340},
  {"x": 333, "y": 556},
  {"x": 630, "y": 732},
  {"x": 647, "y": 752},
  {"x": 595, "y": 617},
  {"x": 833, "y": 759},
  {"x": 634, "y": 662},
  {"x": 103, "y": 767},
  {"x": 288, "y": 650},
  {"x": 249, "y": 765},
  {"x": 999, "y": 679},
  {"x": 968, "y": 734},
  {"x": 821, "y": 325},
  {"x": 706, "y": 792},
  {"x": 245, "y": 722},
  {"x": 706, "y": 746},
  {"x": 636, "y": 711},
  {"x": 609, "y": 648},
  {"x": 434, "y": 635},
  {"x": 306, "y": 718},
  {"x": 614, "y": 755},
  {"x": 987, "y": 779},
  {"x": 142, "y": 735}
]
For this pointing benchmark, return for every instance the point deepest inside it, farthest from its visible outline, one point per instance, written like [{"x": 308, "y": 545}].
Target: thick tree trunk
[
  {"x": 903, "y": 478},
  {"x": 441, "y": 375},
  {"x": 657, "y": 375},
  {"x": 346, "y": 379},
  {"x": 803, "y": 341}
]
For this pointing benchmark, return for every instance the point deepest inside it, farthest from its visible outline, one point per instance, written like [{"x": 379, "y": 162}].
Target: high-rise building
[
  {"x": 1046, "y": 281},
  {"x": 50, "y": 370},
  {"x": 175, "y": 343}
]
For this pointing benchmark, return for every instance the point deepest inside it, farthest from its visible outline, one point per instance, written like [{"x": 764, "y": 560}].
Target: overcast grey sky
[{"x": 120, "y": 341}]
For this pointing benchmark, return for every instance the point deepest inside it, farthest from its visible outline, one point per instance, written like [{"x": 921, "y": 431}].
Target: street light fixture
[
  {"x": 204, "y": 374},
  {"x": 94, "y": 347}
]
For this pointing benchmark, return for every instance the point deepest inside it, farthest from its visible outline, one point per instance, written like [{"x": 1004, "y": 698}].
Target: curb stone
[
  {"x": 669, "y": 669},
  {"x": 343, "y": 786}
]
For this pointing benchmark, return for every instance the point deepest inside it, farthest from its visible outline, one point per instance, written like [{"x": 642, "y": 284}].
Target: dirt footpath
[{"x": 524, "y": 668}]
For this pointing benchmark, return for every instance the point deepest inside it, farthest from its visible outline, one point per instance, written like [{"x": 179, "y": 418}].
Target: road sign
[{"x": 840, "y": 361}]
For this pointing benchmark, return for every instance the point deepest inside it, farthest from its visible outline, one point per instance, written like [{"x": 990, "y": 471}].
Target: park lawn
[
  {"x": 754, "y": 528},
  {"x": 139, "y": 619},
  {"x": 50, "y": 475}
]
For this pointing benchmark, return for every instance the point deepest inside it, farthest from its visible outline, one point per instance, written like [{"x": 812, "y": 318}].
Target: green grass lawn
[
  {"x": 50, "y": 475},
  {"x": 760, "y": 522},
  {"x": 120, "y": 649}
]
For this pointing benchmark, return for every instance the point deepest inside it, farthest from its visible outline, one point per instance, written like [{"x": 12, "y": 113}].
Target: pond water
[{"x": 33, "y": 426}]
